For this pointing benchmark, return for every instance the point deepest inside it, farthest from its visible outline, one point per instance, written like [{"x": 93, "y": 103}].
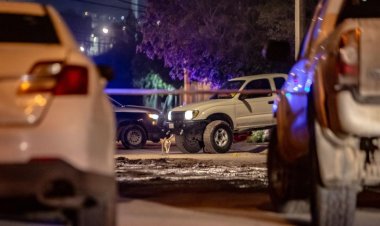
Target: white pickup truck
[{"x": 212, "y": 124}]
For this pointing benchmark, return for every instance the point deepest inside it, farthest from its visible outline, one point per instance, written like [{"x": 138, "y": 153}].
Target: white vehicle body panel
[
  {"x": 78, "y": 129},
  {"x": 245, "y": 113}
]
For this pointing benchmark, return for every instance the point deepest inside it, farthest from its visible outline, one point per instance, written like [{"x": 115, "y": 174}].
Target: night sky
[{"x": 119, "y": 8}]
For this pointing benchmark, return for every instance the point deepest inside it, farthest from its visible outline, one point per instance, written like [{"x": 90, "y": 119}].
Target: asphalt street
[{"x": 175, "y": 189}]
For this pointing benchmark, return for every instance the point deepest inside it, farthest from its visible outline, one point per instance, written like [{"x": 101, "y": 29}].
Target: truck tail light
[
  {"x": 348, "y": 62},
  {"x": 55, "y": 78}
]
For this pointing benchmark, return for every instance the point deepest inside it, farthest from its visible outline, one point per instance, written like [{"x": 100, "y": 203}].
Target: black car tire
[
  {"x": 333, "y": 206},
  {"x": 133, "y": 136},
  {"x": 99, "y": 209},
  {"x": 330, "y": 206},
  {"x": 288, "y": 183},
  {"x": 217, "y": 137},
  {"x": 100, "y": 213},
  {"x": 187, "y": 143}
]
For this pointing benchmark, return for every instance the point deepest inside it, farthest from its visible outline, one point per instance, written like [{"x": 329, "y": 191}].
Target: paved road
[
  {"x": 242, "y": 151},
  {"x": 163, "y": 202},
  {"x": 212, "y": 202}
]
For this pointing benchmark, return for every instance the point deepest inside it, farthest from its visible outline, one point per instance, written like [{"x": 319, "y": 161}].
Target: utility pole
[
  {"x": 186, "y": 87},
  {"x": 299, "y": 18}
]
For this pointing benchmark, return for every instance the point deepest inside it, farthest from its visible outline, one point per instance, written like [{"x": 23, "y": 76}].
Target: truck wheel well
[{"x": 221, "y": 116}]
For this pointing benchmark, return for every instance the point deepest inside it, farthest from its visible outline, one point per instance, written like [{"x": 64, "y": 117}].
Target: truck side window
[
  {"x": 278, "y": 82},
  {"x": 259, "y": 84}
]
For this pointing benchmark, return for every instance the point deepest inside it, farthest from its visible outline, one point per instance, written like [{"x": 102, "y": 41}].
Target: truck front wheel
[{"x": 217, "y": 137}]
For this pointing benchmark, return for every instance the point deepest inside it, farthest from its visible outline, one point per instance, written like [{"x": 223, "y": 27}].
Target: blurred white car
[{"x": 56, "y": 124}]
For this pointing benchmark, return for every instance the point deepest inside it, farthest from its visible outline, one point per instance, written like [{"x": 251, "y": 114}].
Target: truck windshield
[
  {"x": 230, "y": 85},
  {"x": 27, "y": 29}
]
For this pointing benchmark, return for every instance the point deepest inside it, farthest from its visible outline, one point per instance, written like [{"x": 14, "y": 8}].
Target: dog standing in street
[{"x": 165, "y": 144}]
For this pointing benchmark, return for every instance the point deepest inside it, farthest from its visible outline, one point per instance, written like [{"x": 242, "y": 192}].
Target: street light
[{"x": 105, "y": 30}]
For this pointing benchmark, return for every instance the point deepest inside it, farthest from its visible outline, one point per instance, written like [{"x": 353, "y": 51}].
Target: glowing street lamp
[{"x": 105, "y": 30}]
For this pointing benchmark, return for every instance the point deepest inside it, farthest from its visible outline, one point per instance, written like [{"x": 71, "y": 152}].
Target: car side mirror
[
  {"x": 105, "y": 71},
  {"x": 276, "y": 50}
]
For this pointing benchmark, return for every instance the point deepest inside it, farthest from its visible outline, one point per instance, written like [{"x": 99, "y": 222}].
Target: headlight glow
[
  {"x": 189, "y": 115},
  {"x": 170, "y": 115},
  {"x": 153, "y": 116}
]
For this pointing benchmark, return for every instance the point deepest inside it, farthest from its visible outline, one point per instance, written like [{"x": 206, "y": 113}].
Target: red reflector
[
  {"x": 349, "y": 70},
  {"x": 72, "y": 80}
]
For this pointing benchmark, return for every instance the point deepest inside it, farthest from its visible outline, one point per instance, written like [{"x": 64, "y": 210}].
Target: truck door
[{"x": 255, "y": 110}]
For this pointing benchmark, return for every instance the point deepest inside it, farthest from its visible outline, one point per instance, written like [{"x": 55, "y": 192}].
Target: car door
[{"x": 255, "y": 109}]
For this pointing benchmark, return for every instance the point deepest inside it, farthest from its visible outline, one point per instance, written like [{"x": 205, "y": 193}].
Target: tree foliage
[{"x": 213, "y": 40}]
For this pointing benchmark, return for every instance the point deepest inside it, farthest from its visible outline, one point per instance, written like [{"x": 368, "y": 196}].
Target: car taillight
[
  {"x": 55, "y": 78},
  {"x": 348, "y": 62},
  {"x": 72, "y": 80}
]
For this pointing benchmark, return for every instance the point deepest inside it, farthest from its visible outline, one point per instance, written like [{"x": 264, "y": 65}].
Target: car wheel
[
  {"x": 288, "y": 183},
  {"x": 101, "y": 214},
  {"x": 217, "y": 137},
  {"x": 99, "y": 210},
  {"x": 133, "y": 137},
  {"x": 330, "y": 206},
  {"x": 333, "y": 206},
  {"x": 187, "y": 143}
]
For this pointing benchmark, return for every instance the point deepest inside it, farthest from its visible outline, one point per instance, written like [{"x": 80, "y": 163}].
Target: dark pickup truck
[{"x": 137, "y": 124}]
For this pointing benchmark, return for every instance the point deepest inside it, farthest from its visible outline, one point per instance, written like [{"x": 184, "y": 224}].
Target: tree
[{"x": 212, "y": 40}]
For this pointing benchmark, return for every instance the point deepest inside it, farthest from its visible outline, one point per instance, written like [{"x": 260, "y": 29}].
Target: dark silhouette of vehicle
[{"x": 137, "y": 124}]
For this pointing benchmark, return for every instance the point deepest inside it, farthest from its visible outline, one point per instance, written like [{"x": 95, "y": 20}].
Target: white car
[
  {"x": 56, "y": 124},
  {"x": 211, "y": 124}
]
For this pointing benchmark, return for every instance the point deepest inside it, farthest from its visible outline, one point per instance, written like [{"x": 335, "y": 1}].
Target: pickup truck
[{"x": 212, "y": 124}]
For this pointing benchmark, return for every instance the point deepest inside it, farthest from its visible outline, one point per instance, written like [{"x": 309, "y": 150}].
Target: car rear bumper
[
  {"x": 50, "y": 184},
  {"x": 360, "y": 119}
]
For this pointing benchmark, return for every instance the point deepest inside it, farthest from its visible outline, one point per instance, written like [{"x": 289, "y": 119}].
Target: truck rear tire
[
  {"x": 217, "y": 137},
  {"x": 288, "y": 183},
  {"x": 330, "y": 206}
]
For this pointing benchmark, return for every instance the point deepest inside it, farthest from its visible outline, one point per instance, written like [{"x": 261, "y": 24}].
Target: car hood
[
  {"x": 18, "y": 59},
  {"x": 204, "y": 104},
  {"x": 134, "y": 108}
]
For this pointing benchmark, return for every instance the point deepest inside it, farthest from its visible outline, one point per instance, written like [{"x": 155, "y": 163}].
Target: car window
[
  {"x": 232, "y": 85},
  {"x": 360, "y": 9},
  {"x": 27, "y": 29},
  {"x": 278, "y": 82},
  {"x": 259, "y": 84}
]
